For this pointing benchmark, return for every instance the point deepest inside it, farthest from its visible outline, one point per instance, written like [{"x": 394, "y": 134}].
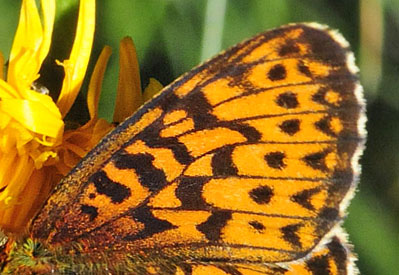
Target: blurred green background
[{"x": 173, "y": 36}]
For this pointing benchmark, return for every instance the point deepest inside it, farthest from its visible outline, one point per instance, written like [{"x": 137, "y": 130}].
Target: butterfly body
[{"x": 244, "y": 165}]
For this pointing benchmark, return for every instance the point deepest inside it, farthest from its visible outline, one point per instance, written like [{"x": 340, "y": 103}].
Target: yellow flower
[{"x": 36, "y": 150}]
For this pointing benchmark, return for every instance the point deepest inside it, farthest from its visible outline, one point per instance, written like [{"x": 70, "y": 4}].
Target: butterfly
[{"x": 244, "y": 165}]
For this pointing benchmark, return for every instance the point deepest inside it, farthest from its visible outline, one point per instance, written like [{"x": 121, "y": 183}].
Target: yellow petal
[
  {"x": 7, "y": 91},
  {"x": 4, "y": 121},
  {"x": 75, "y": 67},
  {"x": 43, "y": 157},
  {"x": 31, "y": 44},
  {"x": 93, "y": 94},
  {"x": 16, "y": 172},
  {"x": 129, "y": 97},
  {"x": 33, "y": 115},
  {"x": 45, "y": 100},
  {"x": 23, "y": 195},
  {"x": 31, "y": 197},
  {"x": 152, "y": 89},
  {"x": 48, "y": 11},
  {"x": 6, "y": 164},
  {"x": 13, "y": 136}
]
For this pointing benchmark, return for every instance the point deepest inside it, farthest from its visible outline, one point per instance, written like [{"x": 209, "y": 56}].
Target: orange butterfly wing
[
  {"x": 334, "y": 258},
  {"x": 251, "y": 157}
]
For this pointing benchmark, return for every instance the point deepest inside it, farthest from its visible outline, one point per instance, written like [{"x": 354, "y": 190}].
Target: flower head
[{"x": 36, "y": 149}]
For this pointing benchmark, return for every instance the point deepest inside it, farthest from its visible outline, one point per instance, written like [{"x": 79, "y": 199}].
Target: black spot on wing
[
  {"x": 198, "y": 107},
  {"x": 261, "y": 194},
  {"x": 290, "y": 127},
  {"x": 257, "y": 225},
  {"x": 213, "y": 226},
  {"x": 320, "y": 96},
  {"x": 303, "y": 198},
  {"x": 289, "y": 48},
  {"x": 152, "y": 139},
  {"x": 304, "y": 69},
  {"x": 105, "y": 186},
  {"x": 222, "y": 162},
  {"x": 189, "y": 193},
  {"x": 249, "y": 132},
  {"x": 275, "y": 160},
  {"x": 290, "y": 234},
  {"x": 152, "y": 225},
  {"x": 89, "y": 210},
  {"x": 149, "y": 176},
  {"x": 277, "y": 72},
  {"x": 287, "y": 100},
  {"x": 324, "y": 126},
  {"x": 317, "y": 160},
  {"x": 235, "y": 72}
]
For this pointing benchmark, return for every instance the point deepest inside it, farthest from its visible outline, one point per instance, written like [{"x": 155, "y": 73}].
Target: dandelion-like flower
[{"x": 36, "y": 150}]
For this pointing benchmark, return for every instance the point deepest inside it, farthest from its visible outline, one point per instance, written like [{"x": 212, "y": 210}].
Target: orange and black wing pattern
[
  {"x": 334, "y": 258},
  {"x": 244, "y": 165}
]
